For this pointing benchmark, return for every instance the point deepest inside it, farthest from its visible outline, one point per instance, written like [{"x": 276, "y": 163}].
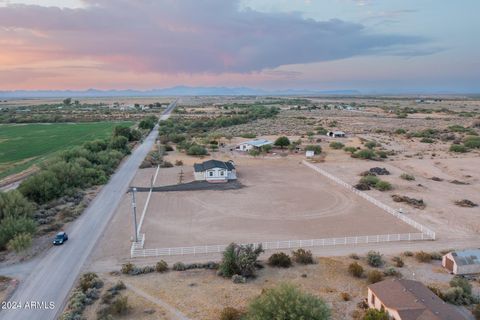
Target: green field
[{"x": 24, "y": 145}]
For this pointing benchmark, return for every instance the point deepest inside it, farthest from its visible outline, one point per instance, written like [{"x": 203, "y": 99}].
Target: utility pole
[
  {"x": 180, "y": 176},
  {"x": 134, "y": 207}
]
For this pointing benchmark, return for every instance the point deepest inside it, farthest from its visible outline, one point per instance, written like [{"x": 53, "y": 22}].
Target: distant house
[
  {"x": 410, "y": 300},
  {"x": 462, "y": 262},
  {"x": 215, "y": 171},
  {"x": 253, "y": 144},
  {"x": 336, "y": 134}
]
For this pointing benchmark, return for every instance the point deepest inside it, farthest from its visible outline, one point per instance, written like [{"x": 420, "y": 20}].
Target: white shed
[
  {"x": 309, "y": 153},
  {"x": 462, "y": 262},
  {"x": 336, "y": 134}
]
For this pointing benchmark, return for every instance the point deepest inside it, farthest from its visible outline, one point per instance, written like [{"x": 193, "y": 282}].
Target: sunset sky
[{"x": 371, "y": 45}]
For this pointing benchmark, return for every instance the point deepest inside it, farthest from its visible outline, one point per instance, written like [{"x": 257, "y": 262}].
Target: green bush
[
  {"x": 472, "y": 142},
  {"x": 315, "y": 148},
  {"x": 355, "y": 269},
  {"x": 14, "y": 204},
  {"x": 120, "y": 306},
  {"x": 427, "y": 140},
  {"x": 127, "y": 268},
  {"x": 364, "y": 154},
  {"x": 370, "y": 144},
  {"x": 239, "y": 259},
  {"x": 254, "y": 152},
  {"x": 282, "y": 142},
  {"x": 321, "y": 130},
  {"x": 248, "y": 135},
  {"x": 230, "y": 313},
  {"x": 383, "y": 185},
  {"x": 287, "y": 302},
  {"x": 350, "y": 149},
  {"x": 400, "y": 131},
  {"x": 476, "y": 312},
  {"x": 20, "y": 242},
  {"x": 370, "y": 180},
  {"x": 374, "y": 314},
  {"x": 458, "y": 148},
  {"x": 398, "y": 262},
  {"x": 303, "y": 256},
  {"x": 336, "y": 145},
  {"x": 406, "y": 176},
  {"x": 197, "y": 150},
  {"x": 12, "y": 226},
  {"x": 161, "y": 266},
  {"x": 179, "y": 266},
  {"x": 280, "y": 259},
  {"x": 374, "y": 276},
  {"x": 374, "y": 259}
]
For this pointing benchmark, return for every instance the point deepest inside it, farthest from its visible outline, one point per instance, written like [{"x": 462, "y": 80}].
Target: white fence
[
  {"x": 425, "y": 233},
  {"x": 281, "y": 245},
  {"x": 429, "y": 233}
]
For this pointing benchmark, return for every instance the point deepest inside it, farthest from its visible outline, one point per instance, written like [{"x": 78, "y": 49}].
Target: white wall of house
[
  {"x": 199, "y": 176},
  {"x": 216, "y": 174},
  {"x": 232, "y": 175},
  {"x": 245, "y": 147}
]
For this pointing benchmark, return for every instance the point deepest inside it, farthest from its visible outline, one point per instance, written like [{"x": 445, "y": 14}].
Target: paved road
[{"x": 55, "y": 274}]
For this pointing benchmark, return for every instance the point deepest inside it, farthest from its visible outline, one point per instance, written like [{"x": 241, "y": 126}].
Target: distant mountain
[{"x": 172, "y": 91}]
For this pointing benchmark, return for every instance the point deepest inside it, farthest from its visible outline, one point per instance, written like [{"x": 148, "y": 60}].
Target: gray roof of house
[
  {"x": 258, "y": 142},
  {"x": 210, "y": 164},
  {"x": 466, "y": 257}
]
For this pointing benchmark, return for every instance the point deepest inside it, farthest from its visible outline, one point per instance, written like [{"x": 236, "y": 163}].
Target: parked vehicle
[{"x": 60, "y": 238}]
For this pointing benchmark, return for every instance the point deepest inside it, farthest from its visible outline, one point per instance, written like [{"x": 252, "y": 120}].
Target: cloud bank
[{"x": 185, "y": 36}]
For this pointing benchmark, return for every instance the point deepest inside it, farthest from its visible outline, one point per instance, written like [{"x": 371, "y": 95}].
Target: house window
[
  {"x": 221, "y": 173},
  {"x": 210, "y": 173},
  {"x": 373, "y": 299}
]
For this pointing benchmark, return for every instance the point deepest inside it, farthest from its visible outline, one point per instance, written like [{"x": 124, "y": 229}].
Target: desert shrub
[
  {"x": 287, "y": 302},
  {"x": 302, "y": 256},
  {"x": 315, "y": 148},
  {"x": 423, "y": 256},
  {"x": 383, "y": 185},
  {"x": 374, "y": 259},
  {"x": 14, "y": 204},
  {"x": 370, "y": 180},
  {"x": 374, "y": 314},
  {"x": 461, "y": 283},
  {"x": 406, "y": 176},
  {"x": 400, "y": 131},
  {"x": 350, "y": 149},
  {"x": 382, "y": 154},
  {"x": 398, "y": 262},
  {"x": 436, "y": 255},
  {"x": 20, "y": 242},
  {"x": 239, "y": 259},
  {"x": 179, "y": 266},
  {"x": 282, "y": 142},
  {"x": 408, "y": 253},
  {"x": 127, "y": 268},
  {"x": 354, "y": 256},
  {"x": 280, "y": 259},
  {"x": 166, "y": 164},
  {"x": 364, "y": 154},
  {"x": 476, "y": 312},
  {"x": 236, "y": 278},
  {"x": 390, "y": 272},
  {"x": 321, "y": 130},
  {"x": 336, "y": 145},
  {"x": 254, "y": 152},
  {"x": 230, "y": 313},
  {"x": 90, "y": 280},
  {"x": 427, "y": 140},
  {"x": 12, "y": 226},
  {"x": 374, "y": 276},
  {"x": 370, "y": 144},
  {"x": 472, "y": 142},
  {"x": 345, "y": 296},
  {"x": 248, "y": 135},
  {"x": 458, "y": 148},
  {"x": 437, "y": 292},
  {"x": 120, "y": 306},
  {"x": 355, "y": 269},
  {"x": 168, "y": 148},
  {"x": 161, "y": 266},
  {"x": 197, "y": 150},
  {"x": 178, "y": 162},
  {"x": 457, "y": 296}
]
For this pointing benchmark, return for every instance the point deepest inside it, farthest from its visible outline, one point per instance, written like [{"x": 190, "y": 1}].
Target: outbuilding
[
  {"x": 462, "y": 262},
  {"x": 410, "y": 300},
  {"x": 215, "y": 171},
  {"x": 253, "y": 144},
  {"x": 336, "y": 134}
]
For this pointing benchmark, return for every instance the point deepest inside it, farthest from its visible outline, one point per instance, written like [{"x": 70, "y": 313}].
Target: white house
[
  {"x": 253, "y": 144},
  {"x": 310, "y": 153},
  {"x": 462, "y": 262},
  {"x": 410, "y": 300},
  {"x": 215, "y": 171},
  {"x": 336, "y": 134}
]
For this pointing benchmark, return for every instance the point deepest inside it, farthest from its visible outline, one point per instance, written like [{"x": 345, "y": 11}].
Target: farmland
[{"x": 22, "y": 146}]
